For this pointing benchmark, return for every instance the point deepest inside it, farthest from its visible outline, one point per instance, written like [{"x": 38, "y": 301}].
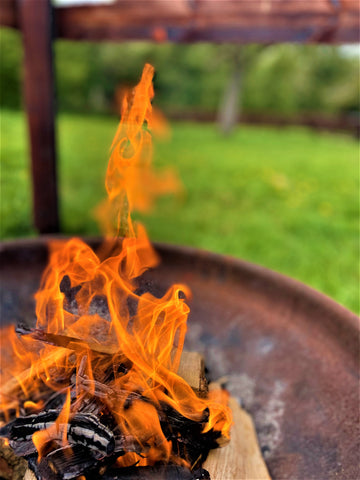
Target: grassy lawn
[{"x": 285, "y": 199}]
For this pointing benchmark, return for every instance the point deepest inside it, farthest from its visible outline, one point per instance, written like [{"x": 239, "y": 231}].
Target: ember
[{"x": 95, "y": 385}]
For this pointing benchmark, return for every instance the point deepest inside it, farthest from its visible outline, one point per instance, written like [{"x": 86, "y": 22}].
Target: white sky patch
[
  {"x": 73, "y": 3},
  {"x": 350, "y": 50}
]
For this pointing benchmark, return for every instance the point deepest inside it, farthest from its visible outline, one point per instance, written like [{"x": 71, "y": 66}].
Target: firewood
[
  {"x": 82, "y": 429},
  {"x": 73, "y": 343},
  {"x": 12, "y": 467},
  {"x": 29, "y": 475},
  {"x": 66, "y": 463},
  {"x": 191, "y": 367},
  {"x": 186, "y": 435},
  {"x": 160, "y": 472},
  {"x": 192, "y": 370},
  {"x": 241, "y": 459}
]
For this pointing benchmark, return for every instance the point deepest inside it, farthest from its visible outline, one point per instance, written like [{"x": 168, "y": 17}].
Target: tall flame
[{"x": 91, "y": 302}]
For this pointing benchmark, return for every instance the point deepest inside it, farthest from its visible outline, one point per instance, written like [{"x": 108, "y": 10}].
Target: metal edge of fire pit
[
  {"x": 290, "y": 352},
  {"x": 270, "y": 281},
  {"x": 227, "y": 266}
]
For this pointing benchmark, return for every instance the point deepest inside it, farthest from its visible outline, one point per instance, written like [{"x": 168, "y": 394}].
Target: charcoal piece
[
  {"x": 23, "y": 328},
  {"x": 41, "y": 469},
  {"x": 161, "y": 472},
  {"x": 187, "y": 437},
  {"x": 132, "y": 396},
  {"x": 86, "y": 430},
  {"x": 124, "y": 367},
  {"x": 176, "y": 420},
  {"x": 201, "y": 474},
  {"x": 55, "y": 401},
  {"x": 71, "y": 462},
  {"x": 70, "y": 303},
  {"x": 99, "y": 305},
  {"x": 23, "y": 448},
  {"x": 22, "y": 428},
  {"x": 83, "y": 429},
  {"x": 127, "y": 443}
]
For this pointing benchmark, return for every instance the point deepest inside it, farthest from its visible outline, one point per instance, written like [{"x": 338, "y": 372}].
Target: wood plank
[
  {"x": 39, "y": 92},
  {"x": 192, "y": 370},
  {"x": 241, "y": 458},
  {"x": 29, "y": 475}
]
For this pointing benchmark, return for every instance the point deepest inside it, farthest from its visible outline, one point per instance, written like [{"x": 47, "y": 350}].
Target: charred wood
[
  {"x": 96, "y": 445},
  {"x": 82, "y": 429},
  {"x": 64, "y": 464},
  {"x": 161, "y": 472}
]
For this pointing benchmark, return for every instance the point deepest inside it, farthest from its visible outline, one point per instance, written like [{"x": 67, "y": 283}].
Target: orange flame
[
  {"x": 89, "y": 306},
  {"x": 130, "y": 181}
]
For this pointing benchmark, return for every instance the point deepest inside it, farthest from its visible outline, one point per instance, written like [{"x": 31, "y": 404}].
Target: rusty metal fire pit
[{"x": 290, "y": 354}]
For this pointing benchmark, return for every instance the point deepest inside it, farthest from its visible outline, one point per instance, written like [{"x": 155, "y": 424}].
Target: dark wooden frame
[
  {"x": 241, "y": 21},
  {"x": 39, "y": 95}
]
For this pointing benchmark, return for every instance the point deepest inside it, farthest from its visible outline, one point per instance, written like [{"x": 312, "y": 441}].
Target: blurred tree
[
  {"x": 284, "y": 78},
  {"x": 229, "y": 108},
  {"x": 240, "y": 59}
]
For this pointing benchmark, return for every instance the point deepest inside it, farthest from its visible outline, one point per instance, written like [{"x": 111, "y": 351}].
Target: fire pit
[
  {"x": 290, "y": 354},
  {"x": 98, "y": 384}
]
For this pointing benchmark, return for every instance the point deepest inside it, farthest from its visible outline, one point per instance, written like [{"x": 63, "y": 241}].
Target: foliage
[
  {"x": 10, "y": 68},
  {"x": 283, "y": 198},
  {"x": 284, "y": 78}
]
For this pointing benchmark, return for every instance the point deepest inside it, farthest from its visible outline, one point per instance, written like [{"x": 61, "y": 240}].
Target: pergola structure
[{"x": 236, "y": 21}]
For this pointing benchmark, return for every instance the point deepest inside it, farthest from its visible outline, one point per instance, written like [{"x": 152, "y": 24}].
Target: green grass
[{"x": 285, "y": 199}]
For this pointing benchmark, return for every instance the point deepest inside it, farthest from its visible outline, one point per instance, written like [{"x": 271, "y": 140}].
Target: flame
[
  {"x": 130, "y": 181},
  {"x": 88, "y": 306}
]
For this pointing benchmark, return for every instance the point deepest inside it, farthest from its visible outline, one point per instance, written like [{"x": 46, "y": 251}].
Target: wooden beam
[
  {"x": 9, "y": 14},
  {"x": 237, "y": 21},
  {"x": 39, "y": 92}
]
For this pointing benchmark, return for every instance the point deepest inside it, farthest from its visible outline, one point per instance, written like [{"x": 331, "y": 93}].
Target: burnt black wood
[
  {"x": 39, "y": 93},
  {"x": 161, "y": 472}
]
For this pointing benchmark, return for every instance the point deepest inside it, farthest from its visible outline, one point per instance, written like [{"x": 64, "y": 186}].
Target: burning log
[
  {"x": 82, "y": 429},
  {"x": 240, "y": 459},
  {"x": 162, "y": 472},
  {"x": 191, "y": 367},
  {"x": 94, "y": 445}
]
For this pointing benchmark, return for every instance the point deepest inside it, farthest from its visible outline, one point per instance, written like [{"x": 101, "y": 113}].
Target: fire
[{"x": 91, "y": 320}]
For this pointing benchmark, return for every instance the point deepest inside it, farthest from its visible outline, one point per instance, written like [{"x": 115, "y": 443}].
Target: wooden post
[{"x": 39, "y": 93}]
